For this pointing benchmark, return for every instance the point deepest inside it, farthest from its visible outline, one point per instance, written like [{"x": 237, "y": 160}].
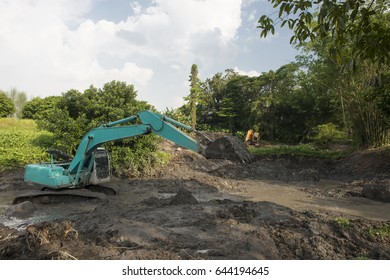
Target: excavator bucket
[{"x": 225, "y": 147}]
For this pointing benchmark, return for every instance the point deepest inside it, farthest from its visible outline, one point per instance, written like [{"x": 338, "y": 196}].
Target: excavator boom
[{"x": 77, "y": 172}]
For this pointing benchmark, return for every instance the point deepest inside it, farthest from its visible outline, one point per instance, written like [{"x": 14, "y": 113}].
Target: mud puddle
[{"x": 327, "y": 195}]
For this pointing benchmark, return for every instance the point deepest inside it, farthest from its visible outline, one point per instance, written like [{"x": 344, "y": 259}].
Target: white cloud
[
  {"x": 251, "y": 73},
  {"x": 48, "y": 47},
  {"x": 172, "y": 27},
  {"x": 44, "y": 56}
]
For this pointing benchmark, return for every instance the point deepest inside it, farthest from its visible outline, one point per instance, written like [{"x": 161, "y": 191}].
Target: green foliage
[
  {"x": 7, "y": 107},
  {"x": 178, "y": 114},
  {"x": 343, "y": 223},
  {"x": 306, "y": 150},
  {"x": 357, "y": 99},
  {"x": 281, "y": 104},
  {"x": 75, "y": 113},
  {"x": 382, "y": 232},
  {"x": 326, "y": 133},
  {"x": 195, "y": 96},
  {"x": 366, "y": 118},
  {"x": 19, "y": 98},
  {"x": 360, "y": 29},
  {"x": 40, "y": 108},
  {"x": 137, "y": 162},
  {"x": 22, "y": 143}
]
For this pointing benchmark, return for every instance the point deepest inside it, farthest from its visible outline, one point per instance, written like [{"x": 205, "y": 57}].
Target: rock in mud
[
  {"x": 183, "y": 197},
  {"x": 22, "y": 209},
  {"x": 229, "y": 147},
  {"x": 379, "y": 192}
]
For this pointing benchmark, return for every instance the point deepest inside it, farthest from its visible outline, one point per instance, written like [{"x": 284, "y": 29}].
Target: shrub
[
  {"x": 22, "y": 143},
  {"x": 326, "y": 133}
]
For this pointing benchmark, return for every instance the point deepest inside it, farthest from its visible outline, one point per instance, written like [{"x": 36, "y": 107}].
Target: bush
[
  {"x": 137, "y": 162},
  {"x": 22, "y": 143},
  {"x": 326, "y": 133},
  {"x": 76, "y": 113},
  {"x": 306, "y": 150}
]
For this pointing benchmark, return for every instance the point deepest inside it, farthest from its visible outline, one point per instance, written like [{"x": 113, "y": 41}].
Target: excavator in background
[{"x": 90, "y": 166}]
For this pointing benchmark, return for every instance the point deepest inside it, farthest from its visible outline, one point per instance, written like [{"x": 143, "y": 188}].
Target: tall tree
[
  {"x": 195, "y": 92},
  {"x": 19, "y": 98},
  {"x": 357, "y": 96}
]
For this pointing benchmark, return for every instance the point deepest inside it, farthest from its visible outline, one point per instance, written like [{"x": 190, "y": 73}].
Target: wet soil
[{"x": 197, "y": 208}]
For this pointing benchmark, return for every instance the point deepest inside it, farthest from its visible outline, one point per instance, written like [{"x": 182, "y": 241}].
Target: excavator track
[
  {"x": 106, "y": 189},
  {"x": 56, "y": 196}
]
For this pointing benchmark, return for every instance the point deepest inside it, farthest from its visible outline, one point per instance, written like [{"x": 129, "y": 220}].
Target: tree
[
  {"x": 76, "y": 113},
  {"x": 195, "y": 92},
  {"x": 19, "y": 98},
  {"x": 7, "y": 107},
  {"x": 360, "y": 28},
  {"x": 365, "y": 100},
  {"x": 213, "y": 91},
  {"x": 40, "y": 108}
]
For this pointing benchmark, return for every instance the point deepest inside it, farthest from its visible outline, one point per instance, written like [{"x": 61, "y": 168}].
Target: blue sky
[{"x": 48, "y": 47}]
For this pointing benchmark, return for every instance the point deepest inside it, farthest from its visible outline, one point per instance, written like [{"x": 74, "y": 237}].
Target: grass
[
  {"x": 382, "y": 231},
  {"x": 21, "y": 143},
  {"x": 307, "y": 150},
  {"x": 343, "y": 223}
]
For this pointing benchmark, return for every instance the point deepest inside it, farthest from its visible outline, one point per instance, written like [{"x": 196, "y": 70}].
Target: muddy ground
[{"x": 194, "y": 208}]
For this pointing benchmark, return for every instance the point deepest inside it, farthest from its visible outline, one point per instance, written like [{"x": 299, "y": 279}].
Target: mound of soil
[
  {"x": 229, "y": 147},
  {"x": 183, "y": 197},
  {"x": 377, "y": 191}
]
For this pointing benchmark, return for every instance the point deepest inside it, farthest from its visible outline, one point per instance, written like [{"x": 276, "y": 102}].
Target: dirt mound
[
  {"x": 365, "y": 164},
  {"x": 229, "y": 147},
  {"x": 379, "y": 191},
  {"x": 243, "y": 213},
  {"x": 183, "y": 197}
]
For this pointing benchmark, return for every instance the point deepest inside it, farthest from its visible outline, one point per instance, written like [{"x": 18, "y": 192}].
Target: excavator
[{"x": 90, "y": 166}]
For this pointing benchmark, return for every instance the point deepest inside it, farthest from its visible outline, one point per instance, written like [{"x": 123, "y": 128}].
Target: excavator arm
[{"x": 76, "y": 173}]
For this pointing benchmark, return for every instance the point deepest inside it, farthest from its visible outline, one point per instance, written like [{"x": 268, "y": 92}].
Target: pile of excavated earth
[{"x": 233, "y": 207}]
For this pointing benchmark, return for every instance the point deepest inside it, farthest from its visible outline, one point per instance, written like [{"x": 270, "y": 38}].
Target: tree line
[
  {"x": 340, "y": 82},
  {"x": 290, "y": 104},
  {"x": 341, "y": 79}
]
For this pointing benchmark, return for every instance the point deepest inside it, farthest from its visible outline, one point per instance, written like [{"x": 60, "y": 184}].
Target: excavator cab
[{"x": 101, "y": 171}]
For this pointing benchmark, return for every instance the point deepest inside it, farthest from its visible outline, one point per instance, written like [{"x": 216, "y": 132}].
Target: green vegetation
[
  {"x": 382, "y": 231},
  {"x": 306, "y": 150},
  {"x": 70, "y": 116},
  {"x": 343, "y": 223},
  {"x": 138, "y": 163},
  {"x": 19, "y": 99},
  {"x": 326, "y": 133},
  {"x": 346, "y": 56},
  {"x": 6, "y": 105},
  {"x": 22, "y": 143},
  {"x": 360, "y": 29}
]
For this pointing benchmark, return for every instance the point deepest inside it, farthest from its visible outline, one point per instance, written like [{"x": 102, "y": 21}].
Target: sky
[{"x": 48, "y": 47}]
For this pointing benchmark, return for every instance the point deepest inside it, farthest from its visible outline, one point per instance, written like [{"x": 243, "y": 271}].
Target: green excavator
[{"x": 90, "y": 166}]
